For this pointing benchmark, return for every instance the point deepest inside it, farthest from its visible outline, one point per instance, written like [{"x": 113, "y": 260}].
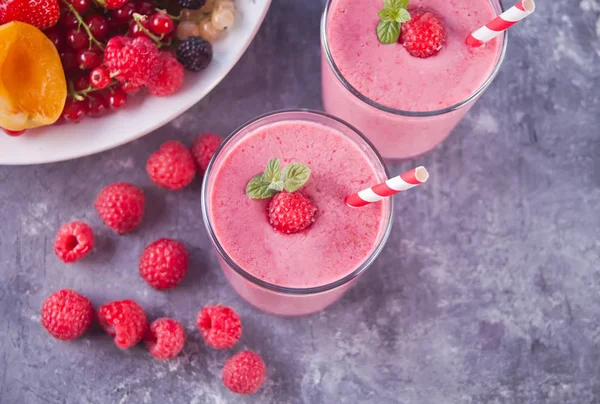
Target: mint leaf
[
  {"x": 395, "y": 4},
  {"x": 402, "y": 15},
  {"x": 388, "y": 32},
  {"x": 276, "y": 186},
  {"x": 273, "y": 170},
  {"x": 258, "y": 188},
  {"x": 295, "y": 176},
  {"x": 388, "y": 14}
]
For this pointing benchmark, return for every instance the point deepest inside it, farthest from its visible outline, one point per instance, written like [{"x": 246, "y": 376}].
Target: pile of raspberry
[{"x": 67, "y": 314}]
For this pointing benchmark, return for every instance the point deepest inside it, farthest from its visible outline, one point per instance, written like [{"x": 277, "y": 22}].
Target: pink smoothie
[
  {"x": 340, "y": 239},
  {"x": 389, "y": 76}
]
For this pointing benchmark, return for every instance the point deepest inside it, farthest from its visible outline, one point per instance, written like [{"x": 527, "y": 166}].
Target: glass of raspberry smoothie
[
  {"x": 409, "y": 95},
  {"x": 294, "y": 253}
]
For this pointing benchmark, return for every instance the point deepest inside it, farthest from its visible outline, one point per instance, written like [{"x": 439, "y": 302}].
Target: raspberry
[
  {"x": 424, "y": 35},
  {"x": 73, "y": 241},
  {"x": 195, "y": 53},
  {"x": 168, "y": 79},
  {"x": 172, "y": 166},
  {"x": 66, "y": 314},
  {"x": 165, "y": 338},
  {"x": 220, "y": 326},
  {"x": 121, "y": 206},
  {"x": 135, "y": 60},
  {"x": 203, "y": 148},
  {"x": 244, "y": 372},
  {"x": 291, "y": 212},
  {"x": 164, "y": 263},
  {"x": 125, "y": 321}
]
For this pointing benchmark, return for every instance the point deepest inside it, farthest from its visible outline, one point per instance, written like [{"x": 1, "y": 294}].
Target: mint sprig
[
  {"x": 274, "y": 179},
  {"x": 391, "y": 18}
]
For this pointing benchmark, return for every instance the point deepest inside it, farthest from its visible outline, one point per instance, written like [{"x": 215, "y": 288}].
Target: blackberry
[
  {"x": 195, "y": 53},
  {"x": 192, "y": 4}
]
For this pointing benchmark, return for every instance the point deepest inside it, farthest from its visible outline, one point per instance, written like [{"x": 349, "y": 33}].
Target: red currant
[
  {"x": 97, "y": 104},
  {"x": 81, "y": 82},
  {"x": 125, "y": 13},
  {"x": 144, "y": 7},
  {"x": 77, "y": 38},
  {"x": 117, "y": 98},
  {"x": 69, "y": 61},
  {"x": 80, "y": 6},
  {"x": 89, "y": 59},
  {"x": 136, "y": 31},
  {"x": 14, "y": 133},
  {"x": 57, "y": 37},
  {"x": 68, "y": 20},
  {"x": 98, "y": 26},
  {"x": 161, "y": 24},
  {"x": 100, "y": 77},
  {"x": 74, "y": 110}
]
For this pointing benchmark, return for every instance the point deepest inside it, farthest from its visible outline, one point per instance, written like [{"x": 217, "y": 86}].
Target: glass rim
[
  {"x": 470, "y": 98},
  {"x": 270, "y": 286}
]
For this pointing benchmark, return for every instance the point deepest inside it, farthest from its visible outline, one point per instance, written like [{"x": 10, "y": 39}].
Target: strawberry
[{"x": 41, "y": 14}]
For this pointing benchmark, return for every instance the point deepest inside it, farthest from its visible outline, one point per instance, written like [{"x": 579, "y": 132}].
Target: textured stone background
[{"x": 488, "y": 291}]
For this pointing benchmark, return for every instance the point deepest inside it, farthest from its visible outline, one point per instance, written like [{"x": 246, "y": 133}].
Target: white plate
[{"x": 145, "y": 113}]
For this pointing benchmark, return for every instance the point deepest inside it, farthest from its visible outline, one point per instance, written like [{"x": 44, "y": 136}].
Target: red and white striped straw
[
  {"x": 405, "y": 181},
  {"x": 501, "y": 23}
]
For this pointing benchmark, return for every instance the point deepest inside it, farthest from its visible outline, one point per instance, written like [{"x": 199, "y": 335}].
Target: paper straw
[
  {"x": 405, "y": 181},
  {"x": 501, "y": 23}
]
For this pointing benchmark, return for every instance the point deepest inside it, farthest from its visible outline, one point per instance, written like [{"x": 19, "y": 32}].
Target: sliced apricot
[{"x": 33, "y": 88}]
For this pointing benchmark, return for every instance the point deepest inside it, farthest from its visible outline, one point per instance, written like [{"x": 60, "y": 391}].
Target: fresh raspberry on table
[
  {"x": 121, "y": 206},
  {"x": 244, "y": 373},
  {"x": 112, "y": 4},
  {"x": 165, "y": 338},
  {"x": 133, "y": 60},
  {"x": 172, "y": 166},
  {"x": 66, "y": 314},
  {"x": 169, "y": 78},
  {"x": 41, "y": 14},
  {"x": 164, "y": 263},
  {"x": 203, "y": 148},
  {"x": 125, "y": 321},
  {"x": 73, "y": 241},
  {"x": 424, "y": 34},
  {"x": 291, "y": 212},
  {"x": 220, "y": 326}
]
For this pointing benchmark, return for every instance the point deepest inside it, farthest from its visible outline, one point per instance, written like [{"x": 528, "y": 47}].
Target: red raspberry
[
  {"x": 203, "y": 148},
  {"x": 39, "y": 13},
  {"x": 172, "y": 166},
  {"x": 74, "y": 241},
  {"x": 220, "y": 326},
  {"x": 66, "y": 314},
  {"x": 291, "y": 212},
  {"x": 168, "y": 79},
  {"x": 121, "y": 206},
  {"x": 164, "y": 263},
  {"x": 244, "y": 372},
  {"x": 135, "y": 60},
  {"x": 125, "y": 321},
  {"x": 165, "y": 338},
  {"x": 424, "y": 35},
  {"x": 112, "y": 4}
]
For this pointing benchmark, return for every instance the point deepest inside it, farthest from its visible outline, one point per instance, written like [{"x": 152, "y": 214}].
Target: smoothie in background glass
[
  {"x": 404, "y": 104},
  {"x": 300, "y": 273}
]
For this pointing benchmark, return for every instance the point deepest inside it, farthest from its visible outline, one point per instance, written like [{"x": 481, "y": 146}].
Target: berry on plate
[
  {"x": 220, "y": 326},
  {"x": 73, "y": 241},
  {"x": 132, "y": 60},
  {"x": 291, "y": 212},
  {"x": 41, "y": 14},
  {"x": 172, "y": 166},
  {"x": 168, "y": 79},
  {"x": 165, "y": 338},
  {"x": 125, "y": 321},
  {"x": 203, "y": 148},
  {"x": 195, "y": 53},
  {"x": 424, "y": 34},
  {"x": 66, "y": 314},
  {"x": 121, "y": 206},
  {"x": 244, "y": 373},
  {"x": 164, "y": 263}
]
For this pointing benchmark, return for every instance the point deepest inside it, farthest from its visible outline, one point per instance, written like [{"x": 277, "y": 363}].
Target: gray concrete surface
[{"x": 488, "y": 291}]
